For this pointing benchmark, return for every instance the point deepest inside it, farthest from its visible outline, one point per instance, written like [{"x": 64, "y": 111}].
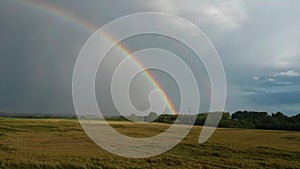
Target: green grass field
[{"x": 28, "y": 143}]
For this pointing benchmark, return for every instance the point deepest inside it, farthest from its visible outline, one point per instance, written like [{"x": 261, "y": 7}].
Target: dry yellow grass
[{"x": 26, "y": 143}]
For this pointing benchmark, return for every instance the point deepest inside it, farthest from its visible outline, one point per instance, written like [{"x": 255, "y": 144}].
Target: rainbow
[{"x": 72, "y": 18}]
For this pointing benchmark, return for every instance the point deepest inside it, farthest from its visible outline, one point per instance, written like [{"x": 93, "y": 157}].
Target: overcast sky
[{"x": 258, "y": 42}]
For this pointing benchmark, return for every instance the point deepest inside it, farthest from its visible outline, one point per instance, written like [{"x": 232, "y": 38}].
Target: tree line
[
  {"x": 245, "y": 119},
  {"x": 239, "y": 119}
]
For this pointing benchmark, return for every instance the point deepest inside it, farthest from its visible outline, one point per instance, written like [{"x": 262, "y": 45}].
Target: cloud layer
[{"x": 258, "y": 42}]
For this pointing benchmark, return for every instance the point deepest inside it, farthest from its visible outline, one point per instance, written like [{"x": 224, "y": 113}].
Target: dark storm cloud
[
  {"x": 257, "y": 40},
  {"x": 38, "y": 52}
]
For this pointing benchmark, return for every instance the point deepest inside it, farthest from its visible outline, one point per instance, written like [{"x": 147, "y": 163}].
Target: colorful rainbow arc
[{"x": 65, "y": 15}]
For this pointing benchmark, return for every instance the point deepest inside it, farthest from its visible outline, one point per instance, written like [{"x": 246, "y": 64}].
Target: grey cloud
[
  {"x": 254, "y": 39},
  {"x": 289, "y": 73}
]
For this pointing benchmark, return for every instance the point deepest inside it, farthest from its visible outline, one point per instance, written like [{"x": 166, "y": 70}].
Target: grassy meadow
[{"x": 59, "y": 143}]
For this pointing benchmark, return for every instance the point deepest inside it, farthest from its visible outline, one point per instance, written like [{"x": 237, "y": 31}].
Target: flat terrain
[{"x": 29, "y": 143}]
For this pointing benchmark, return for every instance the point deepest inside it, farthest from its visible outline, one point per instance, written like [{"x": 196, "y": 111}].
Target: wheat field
[{"x": 60, "y": 143}]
